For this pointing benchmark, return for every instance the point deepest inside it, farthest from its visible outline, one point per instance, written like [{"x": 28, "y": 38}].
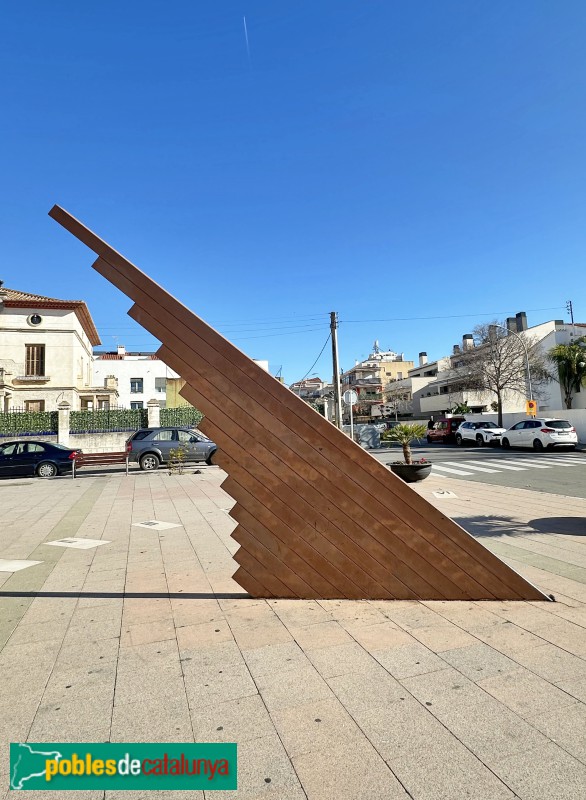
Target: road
[{"x": 559, "y": 472}]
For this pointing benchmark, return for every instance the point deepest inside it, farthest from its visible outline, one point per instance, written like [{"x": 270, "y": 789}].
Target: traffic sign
[
  {"x": 350, "y": 397},
  {"x": 531, "y": 408}
]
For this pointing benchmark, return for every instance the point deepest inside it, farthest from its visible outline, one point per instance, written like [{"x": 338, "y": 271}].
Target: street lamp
[{"x": 496, "y": 325}]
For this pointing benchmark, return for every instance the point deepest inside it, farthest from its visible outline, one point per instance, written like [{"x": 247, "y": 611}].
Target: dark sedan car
[
  {"x": 35, "y": 458},
  {"x": 152, "y": 447}
]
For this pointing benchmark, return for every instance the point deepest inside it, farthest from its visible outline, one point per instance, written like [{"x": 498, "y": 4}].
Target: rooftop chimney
[
  {"x": 467, "y": 341},
  {"x": 121, "y": 350},
  {"x": 422, "y": 359},
  {"x": 512, "y": 324},
  {"x": 456, "y": 351},
  {"x": 521, "y": 321}
]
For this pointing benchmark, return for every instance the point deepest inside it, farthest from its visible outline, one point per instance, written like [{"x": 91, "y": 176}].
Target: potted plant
[{"x": 409, "y": 470}]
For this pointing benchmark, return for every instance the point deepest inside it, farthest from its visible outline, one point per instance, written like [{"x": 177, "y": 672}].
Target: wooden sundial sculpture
[{"x": 318, "y": 517}]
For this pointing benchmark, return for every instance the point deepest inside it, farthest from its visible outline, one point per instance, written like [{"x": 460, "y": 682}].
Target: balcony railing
[{"x": 33, "y": 378}]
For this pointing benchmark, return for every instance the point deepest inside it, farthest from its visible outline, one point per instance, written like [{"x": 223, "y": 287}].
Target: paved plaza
[{"x": 141, "y": 635}]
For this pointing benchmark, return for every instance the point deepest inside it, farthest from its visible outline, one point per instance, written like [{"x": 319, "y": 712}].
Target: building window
[
  {"x": 34, "y": 405},
  {"x": 35, "y": 359},
  {"x": 136, "y": 406},
  {"x": 160, "y": 384},
  {"x": 136, "y": 386}
]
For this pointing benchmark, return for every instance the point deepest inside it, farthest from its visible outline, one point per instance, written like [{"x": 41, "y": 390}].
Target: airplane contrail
[{"x": 246, "y": 38}]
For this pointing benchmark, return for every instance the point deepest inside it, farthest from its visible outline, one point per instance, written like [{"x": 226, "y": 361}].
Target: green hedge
[
  {"x": 108, "y": 420},
  {"x": 28, "y": 423},
  {"x": 186, "y": 416}
]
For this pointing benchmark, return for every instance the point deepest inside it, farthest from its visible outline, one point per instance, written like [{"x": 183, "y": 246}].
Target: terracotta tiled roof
[
  {"x": 117, "y": 357},
  {"x": 13, "y": 298},
  {"x": 14, "y": 294}
]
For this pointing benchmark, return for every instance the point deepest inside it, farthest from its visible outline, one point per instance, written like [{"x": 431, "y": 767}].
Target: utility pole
[
  {"x": 336, "y": 369},
  {"x": 570, "y": 309}
]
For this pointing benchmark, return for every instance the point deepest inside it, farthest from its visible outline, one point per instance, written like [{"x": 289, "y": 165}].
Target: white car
[
  {"x": 540, "y": 433},
  {"x": 480, "y": 432}
]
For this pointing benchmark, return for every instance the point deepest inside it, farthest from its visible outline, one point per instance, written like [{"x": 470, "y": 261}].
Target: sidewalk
[{"x": 147, "y": 638}]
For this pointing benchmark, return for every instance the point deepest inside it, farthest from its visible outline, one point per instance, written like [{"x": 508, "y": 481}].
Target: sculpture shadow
[
  {"x": 564, "y": 526},
  {"x": 495, "y": 525}
]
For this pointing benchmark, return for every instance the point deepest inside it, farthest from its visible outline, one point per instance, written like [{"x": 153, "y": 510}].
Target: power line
[
  {"x": 317, "y": 359},
  {"x": 452, "y": 316}
]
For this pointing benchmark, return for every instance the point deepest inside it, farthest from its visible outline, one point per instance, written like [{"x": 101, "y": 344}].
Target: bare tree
[
  {"x": 398, "y": 398},
  {"x": 498, "y": 364}
]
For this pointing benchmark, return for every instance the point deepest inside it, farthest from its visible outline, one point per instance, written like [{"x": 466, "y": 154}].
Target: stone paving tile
[
  {"x": 480, "y": 661},
  {"x": 576, "y": 689},
  {"x": 213, "y": 686},
  {"x": 353, "y": 768},
  {"x": 341, "y": 659},
  {"x": 297, "y": 615},
  {"x": 133, "y": 687},
  {"x": 40, "y": 632},
  {"x": 378, "y": 636},
  {"x": 552, "y": 663},
  {"x": 292, "y": 688},
  {"x": 220, "y": 655},
  {"x": 544, "y": 773},
  {"x": 465, "y": 712},
  {"x": 431, "y": 685},
  {"x": 507, "y": 638},
  {"x": 252, "y": 637},
  {"x": 146, "y": 632},
  {"x": 91, "y": 631},
  {"x": 320, "y": 634},
  {"x": 205, "y": 633},
  {"x": 412, "y": 659},
  {"x": 566, "y": 727},
  {"x": 427, "y": 758},
  {"x": 465, "y": 614},
  {"x": 232, "y": 721},
  {"x": 62, "y": 721},
  {"x": 366, "y": 689},
  {"x": 525, "y": 693},
  {"x": 275, "y": 658},
  {"x": 317, "y": 725},
  {"x": 264, "y": 770},
  {"x": 409, "y": 614},
  {"x": 152, "y": 721},
  {"x": 443, "y": 637},
  {"x": 367, "y": 612}
]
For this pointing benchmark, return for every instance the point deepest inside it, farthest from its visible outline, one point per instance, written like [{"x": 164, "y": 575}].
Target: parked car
[
  {"x": 152, "y": 447},
  {"x": 480, "y": 432},
  {"x": 30, "y": 457},
  {"x": 444, "y": 430},
  {"x": 539, "y": 433}
]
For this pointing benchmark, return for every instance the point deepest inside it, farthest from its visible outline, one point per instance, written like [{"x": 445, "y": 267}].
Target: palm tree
[
  {"x": 570, "y": 360},
  {"x": 405, "y": 434}
]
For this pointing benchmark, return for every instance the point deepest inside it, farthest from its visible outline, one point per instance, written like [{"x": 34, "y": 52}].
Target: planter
[{"x": 411, "y": 473}]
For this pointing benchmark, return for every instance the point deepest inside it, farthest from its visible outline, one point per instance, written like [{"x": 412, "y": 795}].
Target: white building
[
  {"x": 434, "y": 386},
  {"x": 139, "y": 377},
  {"x": 46, "y": 354}
]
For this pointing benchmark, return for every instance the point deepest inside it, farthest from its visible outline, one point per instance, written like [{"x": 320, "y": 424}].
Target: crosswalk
[{"x": 513, "y": 464}]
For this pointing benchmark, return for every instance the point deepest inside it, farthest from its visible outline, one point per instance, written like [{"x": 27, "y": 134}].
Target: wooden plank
[
  {"x": 376, "y": 550},
  {"x": 271, "y": 569},
  {"x": 284, "y": 481}
]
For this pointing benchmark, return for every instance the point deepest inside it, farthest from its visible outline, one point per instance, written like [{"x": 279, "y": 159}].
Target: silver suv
[{"x": 152, "y": 447}]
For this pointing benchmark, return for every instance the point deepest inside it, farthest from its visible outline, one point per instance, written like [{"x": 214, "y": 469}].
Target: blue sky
[{"x": 401, "y": 163}]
